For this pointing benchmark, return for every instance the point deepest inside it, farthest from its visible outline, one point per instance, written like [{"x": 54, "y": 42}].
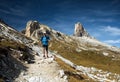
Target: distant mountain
[
  {"x": 82, "y": 57},
  {"x": 79, "y": 30}
]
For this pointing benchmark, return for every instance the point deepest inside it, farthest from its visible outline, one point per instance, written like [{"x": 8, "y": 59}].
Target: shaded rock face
[
  {"x": 10, "y": 67},
  {"x": 12, "y": 57},
  {"x": 79, "y": 30}
]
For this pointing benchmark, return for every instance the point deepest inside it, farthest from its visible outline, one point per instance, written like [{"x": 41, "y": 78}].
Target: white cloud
[
  {"x": 112, "y": 41},
  {"x": 112, "y": 30}
]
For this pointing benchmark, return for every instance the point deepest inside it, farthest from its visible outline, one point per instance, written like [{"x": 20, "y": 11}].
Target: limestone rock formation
[
  {"x": 30, "y": 27},
  {"x": 80, "y": 31},
  {"x": 34, "y": 30}
]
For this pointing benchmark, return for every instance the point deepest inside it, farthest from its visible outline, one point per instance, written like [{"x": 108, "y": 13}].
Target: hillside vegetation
[{"x": 87, "y": 58}]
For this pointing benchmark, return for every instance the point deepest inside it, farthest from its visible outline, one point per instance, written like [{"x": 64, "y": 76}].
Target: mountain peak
[
  {"x": 34, "y": 29},
  {"x": 30, "y": 27},
  {"x": 79, "y": 30}
]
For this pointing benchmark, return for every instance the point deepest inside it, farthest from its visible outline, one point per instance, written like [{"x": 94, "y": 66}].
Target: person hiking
[{"x": 44, "y": 40}]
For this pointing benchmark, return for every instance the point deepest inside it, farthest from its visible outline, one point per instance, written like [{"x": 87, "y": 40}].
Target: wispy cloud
[
  {"x": 112, "y": 30},
  {"x": 105, "y": 12},
  {"x": 5, "y": 11},
  {"x": 112, "y": 41},
  {"x": 17, "y": 9},
  {"x": 115, "y": 2},
  {"x": 93, "y": 20},
  {"x": 13, "y": 11},
  {"x": 101, "y": 20},
  {"x": 96, "y": 35},
  {"x": 105, "y": 20}
]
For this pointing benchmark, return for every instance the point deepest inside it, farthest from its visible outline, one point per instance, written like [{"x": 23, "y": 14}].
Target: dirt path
[{"x": 43, "y": 70}]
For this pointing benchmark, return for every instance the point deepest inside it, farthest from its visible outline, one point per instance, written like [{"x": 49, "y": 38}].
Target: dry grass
[
  {"x": 72, "y": 73},
  {"x": 1, "y": 80},
  {"x": 86, "y": 58},
  {"x": 10, "y": 44}
]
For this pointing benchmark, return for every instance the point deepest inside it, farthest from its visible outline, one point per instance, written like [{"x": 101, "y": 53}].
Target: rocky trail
[
  {"x": 42, "y": 70},
  {"x": 47, "y": 70}
]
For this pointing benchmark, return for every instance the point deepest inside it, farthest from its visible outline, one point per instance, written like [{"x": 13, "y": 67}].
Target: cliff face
[{"x": 79, "y": 30}]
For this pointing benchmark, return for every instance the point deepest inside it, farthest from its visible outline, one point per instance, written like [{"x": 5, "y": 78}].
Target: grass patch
[
  {"x": 86, "y": 57},
  {"x": 11, "y": 44},
  {"x": 72, "y": 73},
  {"x": 1, "y": 80}
]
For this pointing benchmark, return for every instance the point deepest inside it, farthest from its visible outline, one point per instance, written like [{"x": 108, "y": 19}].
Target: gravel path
[{"x": 43, "y": 70}]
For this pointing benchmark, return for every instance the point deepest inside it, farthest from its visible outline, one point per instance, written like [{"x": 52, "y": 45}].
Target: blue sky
[{"x": 99, "y": 17}]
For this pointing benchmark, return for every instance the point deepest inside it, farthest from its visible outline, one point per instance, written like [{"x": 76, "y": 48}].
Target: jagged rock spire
[{"x": 80, "y": 31}]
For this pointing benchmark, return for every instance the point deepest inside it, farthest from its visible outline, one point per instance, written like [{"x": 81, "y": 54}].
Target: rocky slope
[
  {"x": 18, "y": 62},
  {"x": 13, "y": 51},
  {"x": 72, "y": 58}
]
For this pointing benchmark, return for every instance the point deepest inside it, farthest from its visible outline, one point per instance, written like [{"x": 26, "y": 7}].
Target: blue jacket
[{"x": 45, "y": 39}]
